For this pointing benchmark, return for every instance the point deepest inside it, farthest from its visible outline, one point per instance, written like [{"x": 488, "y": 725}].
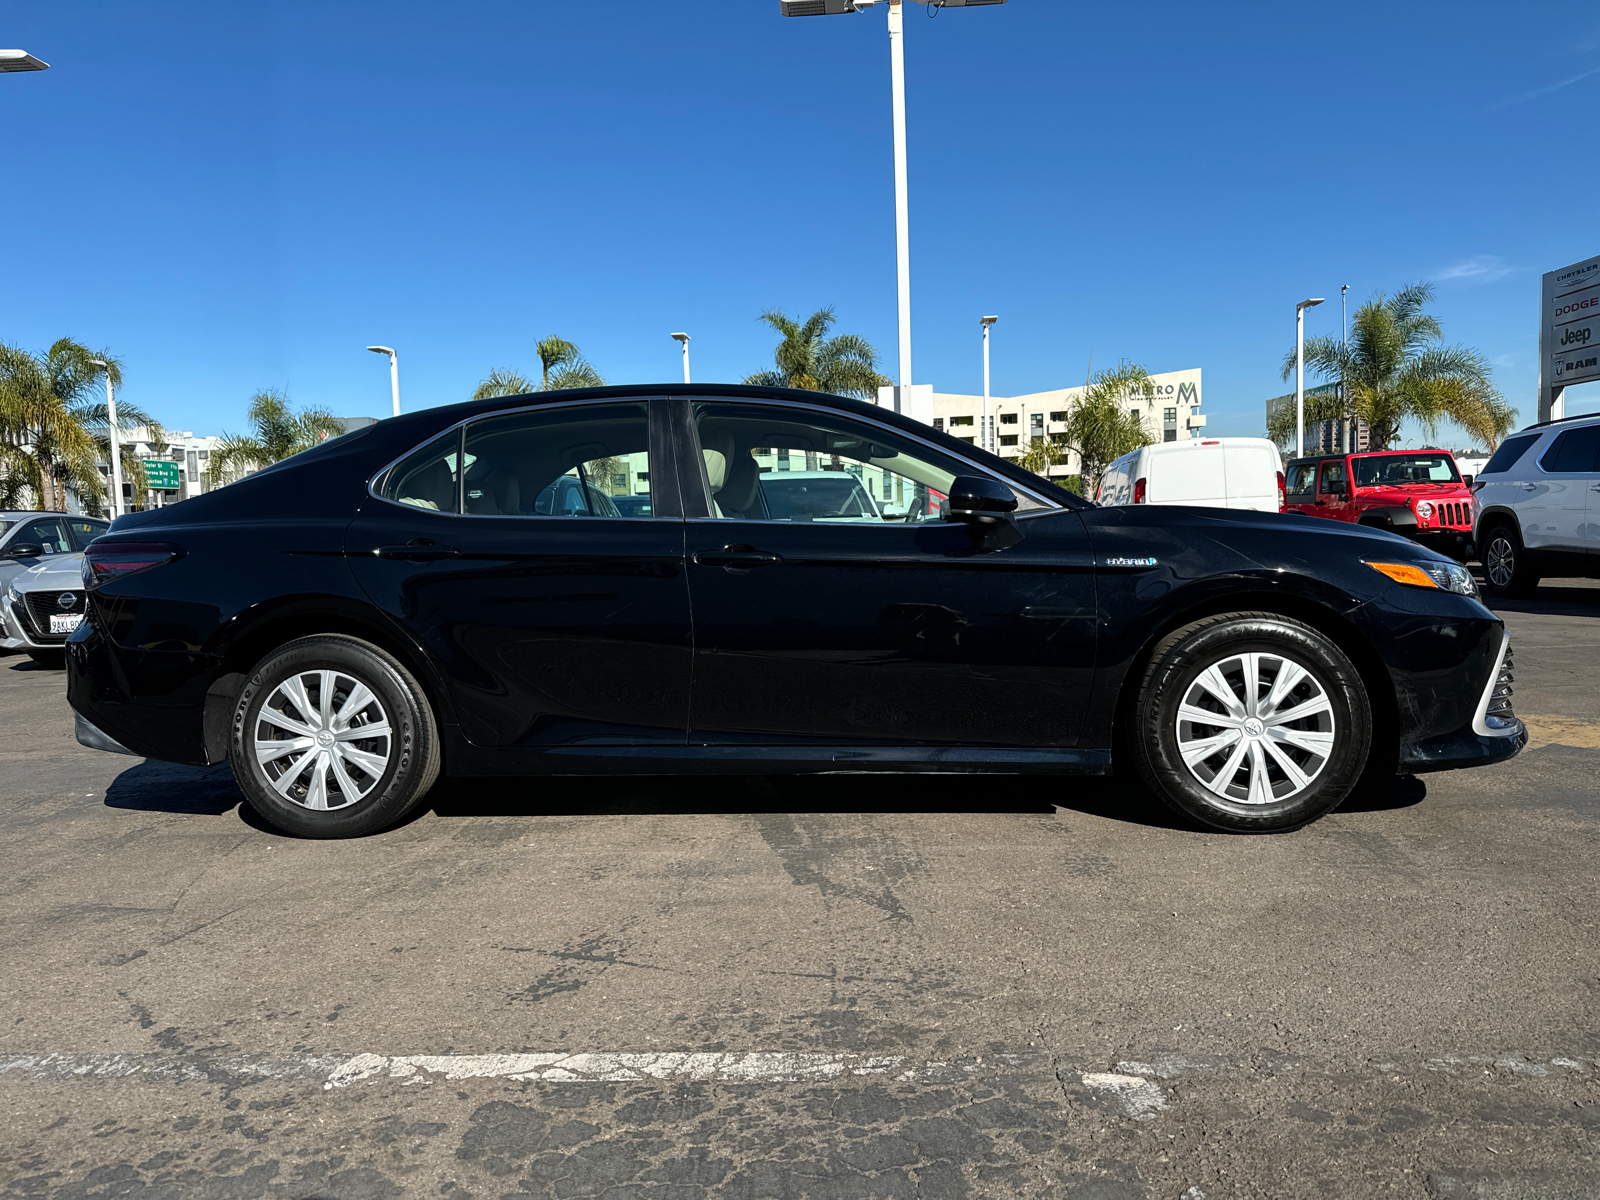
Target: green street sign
[{"x": 162, "y": 475}]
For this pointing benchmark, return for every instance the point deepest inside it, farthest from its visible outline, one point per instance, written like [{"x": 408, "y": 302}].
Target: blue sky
[{"x": 240, "y": 196}]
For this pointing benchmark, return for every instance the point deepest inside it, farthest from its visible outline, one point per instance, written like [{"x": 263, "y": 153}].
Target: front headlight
[
  {"x": 1445, "y": 576},
  {"x": 12, "y": 594},
  {"x": 1424, "y": 509}
]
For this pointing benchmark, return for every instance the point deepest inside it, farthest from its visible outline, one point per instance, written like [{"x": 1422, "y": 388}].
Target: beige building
[{"x": 1171, "y": 414}]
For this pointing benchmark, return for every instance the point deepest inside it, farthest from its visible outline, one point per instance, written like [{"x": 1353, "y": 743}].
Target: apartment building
[{"x": 1170, "y": 414}]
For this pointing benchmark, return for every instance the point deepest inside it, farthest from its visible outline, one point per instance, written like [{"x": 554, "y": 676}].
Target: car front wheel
[
  {"x": 1251, "y": 722},
  {"x": 1506, "y": 569},
  {"x": 332, "y": 738}
]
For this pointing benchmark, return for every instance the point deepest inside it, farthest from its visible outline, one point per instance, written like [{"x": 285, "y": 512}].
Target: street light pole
[
  {"x": 902, "y": 213},
  {"x": 683, "y": 340},
  {"x": 394, "y": 373},
  {"x": 1300, "y": 375},
  {"x": 897, "y": 78},
  {"x": 116, "y": 440},
  {"x": 986, "y": 434},
  {"x": 1344, "y": 350}
]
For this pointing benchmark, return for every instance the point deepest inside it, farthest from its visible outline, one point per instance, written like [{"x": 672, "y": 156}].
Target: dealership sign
[{"x": 1569, "y": 325}]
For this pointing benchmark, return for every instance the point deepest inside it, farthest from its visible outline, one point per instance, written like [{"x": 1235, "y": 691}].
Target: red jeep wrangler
[{"x": 1416, "y": 493}]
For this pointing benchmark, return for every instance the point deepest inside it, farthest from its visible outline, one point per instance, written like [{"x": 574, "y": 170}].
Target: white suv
[{"x": 1536, "y": 506}]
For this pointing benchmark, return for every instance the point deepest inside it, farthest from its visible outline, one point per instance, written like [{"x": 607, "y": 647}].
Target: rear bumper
[{"x": 149, "y": 703}]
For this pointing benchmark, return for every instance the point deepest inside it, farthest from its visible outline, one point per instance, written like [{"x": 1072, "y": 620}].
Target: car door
[
  {"x": 556, "y": 620},
  {"x": 1300, "y": 487},
  {"x": 840, "y": 609},
  {"x": 1333, "y": 490},
  {"x": 1555, "y": 513}
]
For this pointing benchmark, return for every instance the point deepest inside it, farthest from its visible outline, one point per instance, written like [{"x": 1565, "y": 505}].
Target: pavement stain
[
  {"x": 863, "y": 865},
  {"x": 1547, "y": 730}
]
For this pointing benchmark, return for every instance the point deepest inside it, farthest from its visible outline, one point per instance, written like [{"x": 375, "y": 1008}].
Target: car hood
[
  {"x": 1337, "y": 536},
  {"x": 59, "y": 572}
]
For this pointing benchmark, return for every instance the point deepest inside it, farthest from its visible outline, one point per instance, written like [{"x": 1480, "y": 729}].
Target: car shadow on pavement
[
  {"x": 686, "y": 795},
  {"x": 1403, "y": 791},
  {"x": 152, "y": 786},
  {"x": 1557, "y": 598}
]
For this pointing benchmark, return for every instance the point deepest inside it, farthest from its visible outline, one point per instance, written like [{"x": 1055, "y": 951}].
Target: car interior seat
[{"x": 432, "y": 486}]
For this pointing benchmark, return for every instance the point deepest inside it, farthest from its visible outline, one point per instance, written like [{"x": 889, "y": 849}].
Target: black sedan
[{"x": 809, "y": 584}]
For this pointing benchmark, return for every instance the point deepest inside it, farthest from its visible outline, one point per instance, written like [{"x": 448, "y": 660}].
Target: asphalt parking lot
[{"x": 835, "y": 987}]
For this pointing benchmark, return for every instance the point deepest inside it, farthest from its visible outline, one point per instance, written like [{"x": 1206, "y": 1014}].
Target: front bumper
[
  {"x": 1494, "y": 735},
  {"x": 14, "y": 627},
  {"x": 1453, "y": 543}
]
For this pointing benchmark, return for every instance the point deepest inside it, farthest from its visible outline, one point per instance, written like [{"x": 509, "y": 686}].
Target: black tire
[
  {"x": 395, "y": 770},
  {"x": 56, "y": 660},
  {"x": 1278, "y": 803},
  {"x": 1506, "y": 569}
]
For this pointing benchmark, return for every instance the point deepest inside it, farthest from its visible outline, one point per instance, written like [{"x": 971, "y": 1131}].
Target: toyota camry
[{"x": 720, "y": 579}]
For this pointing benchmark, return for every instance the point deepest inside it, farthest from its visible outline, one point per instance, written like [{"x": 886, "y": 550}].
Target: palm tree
[
  {"x": 562, "y": 366},
  {"x": 279, "y": 432},
  {"x": 502, "y": 382},
  {"x": 1100, "y": 425},
  {"x": 807, "y": 358},
  {"x": 1394, "y": 368},
  {"x": 565, "y": 367},
  {"x": 56, "y": 429}
]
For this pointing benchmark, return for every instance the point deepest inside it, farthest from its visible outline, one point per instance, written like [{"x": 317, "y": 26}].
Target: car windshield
[
  {"x": 818, "y": 499},
  {"x": 1406, "y": 468}
]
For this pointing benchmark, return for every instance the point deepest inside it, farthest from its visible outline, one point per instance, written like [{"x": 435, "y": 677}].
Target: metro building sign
[{"x": 1569, "y": 333}]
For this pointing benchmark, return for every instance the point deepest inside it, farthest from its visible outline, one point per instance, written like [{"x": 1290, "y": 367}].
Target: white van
[{"x": 1216, "y": 473}]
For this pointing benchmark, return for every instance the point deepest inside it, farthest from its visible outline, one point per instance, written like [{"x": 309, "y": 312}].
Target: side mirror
[
  {"x": 24, "y": 550},
  {"x": 1467, "y": 479},
  {"x": 979, "y": 500}
]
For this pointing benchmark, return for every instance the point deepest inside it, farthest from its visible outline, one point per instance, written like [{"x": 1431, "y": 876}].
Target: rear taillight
[
  {"x": 1283, "y": 494},
  {"x": 104, "y": 562},
  {"x": 1138, "y": 491}
]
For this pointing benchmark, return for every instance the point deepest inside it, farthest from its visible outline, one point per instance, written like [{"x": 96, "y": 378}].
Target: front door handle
[
  {"x": 417, "y": 550},
  {"x": 736, "y": 556},
  {"x": 1594, "y": 487},
  {"x": 1530, "y": 487}
]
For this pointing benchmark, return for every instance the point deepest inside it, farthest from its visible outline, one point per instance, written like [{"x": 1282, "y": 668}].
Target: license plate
[{"x": 64, "y": 622}]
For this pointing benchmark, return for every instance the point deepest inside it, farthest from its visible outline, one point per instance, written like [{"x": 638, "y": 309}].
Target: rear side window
[
  {"x": 1509, "y": 452},
  {"x": 562, "y": 462},
  {"x": 1575, "y": 450},
  {"x": 427, "y": 479}
]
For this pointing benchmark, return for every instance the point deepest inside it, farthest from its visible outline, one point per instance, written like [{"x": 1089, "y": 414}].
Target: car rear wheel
[
  {"x": 332, "y": 737},
  {"x": 1251, "y": 722},
  {"x": 1506, "y": 570}
]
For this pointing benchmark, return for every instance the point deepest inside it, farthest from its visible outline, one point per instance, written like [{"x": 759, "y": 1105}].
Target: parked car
[
  {"x": 345, "y": 625},
  {"x": 1537, "y": 506},
  {"x": 1215, "y": 473},
  {"x": 1418, "y": 494},
  {"x": 39, "y": 567}
]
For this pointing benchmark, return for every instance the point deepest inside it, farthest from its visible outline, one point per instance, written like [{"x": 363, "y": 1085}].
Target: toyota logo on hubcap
[{"x": 66, "y": 600}]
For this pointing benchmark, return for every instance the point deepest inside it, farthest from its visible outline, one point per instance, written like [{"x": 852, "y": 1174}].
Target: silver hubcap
[
  {"x": 1256, "y": 728},
  {"x": 323, "y": 740},
  {"x": 1499, "y": 562}
]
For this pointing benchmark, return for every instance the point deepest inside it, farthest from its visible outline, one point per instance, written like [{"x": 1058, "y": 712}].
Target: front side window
[
  {"x": 1302, "y": 479},
  {"x": 772, "y": 463},
  {"x": 1394, "y": 469},
  {"x": 50, "y": 535},
  {"x": 590, "y": 461}
]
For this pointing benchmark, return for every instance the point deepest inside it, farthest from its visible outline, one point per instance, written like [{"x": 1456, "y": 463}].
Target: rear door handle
[
  {"x": 418, "y": 550},
  {"x": 736, "y": 556},
  {"x": 1530, "y": 487}
]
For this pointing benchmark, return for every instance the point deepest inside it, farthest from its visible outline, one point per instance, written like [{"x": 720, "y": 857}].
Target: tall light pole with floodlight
[
  {"x": 20, "y": 60},
  {"x": 116, "y": 440},
  {"x": 683, "y": 340},
  {"x": 897, "y": 79},
  {"x": 986, "y": 434},
  {"x": 1344, "y": 348},
  {"x": 394, "y": 374},
  {"x": 1300, "y": 374}
]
